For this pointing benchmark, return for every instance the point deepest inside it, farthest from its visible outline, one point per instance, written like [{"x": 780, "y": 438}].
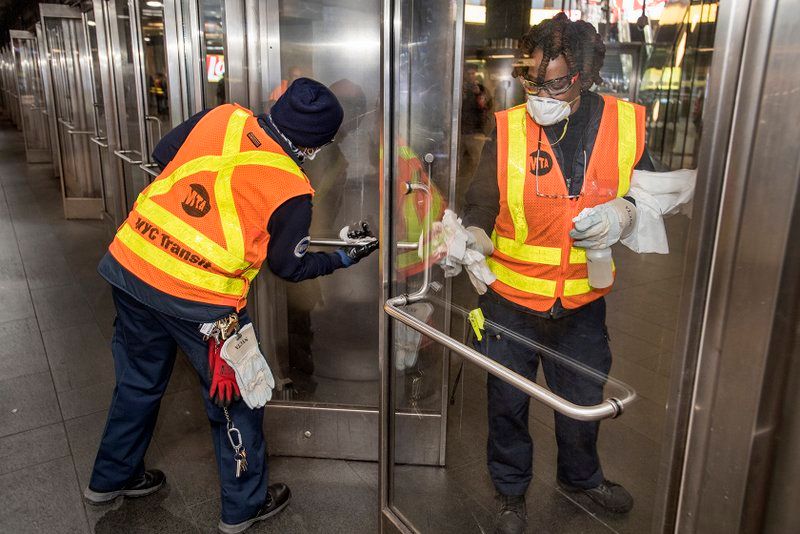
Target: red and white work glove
[{"x": 224, "y": 388}]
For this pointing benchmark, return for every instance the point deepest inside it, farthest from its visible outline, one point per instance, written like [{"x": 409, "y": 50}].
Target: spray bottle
[{"x": 598, "y": 263}]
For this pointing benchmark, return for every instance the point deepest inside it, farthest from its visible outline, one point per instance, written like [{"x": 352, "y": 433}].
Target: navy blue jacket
[{"x": 286, "y": 253}]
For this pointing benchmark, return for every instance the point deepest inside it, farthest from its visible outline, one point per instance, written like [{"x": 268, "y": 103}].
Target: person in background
[{"x": 476, "y": 107}]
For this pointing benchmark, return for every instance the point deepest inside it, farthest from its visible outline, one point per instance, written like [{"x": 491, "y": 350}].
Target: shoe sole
[
  {"x": 225, "y": 528},
  {"x": 575, "y": 491},
  {"x": 97, "y": 498}
]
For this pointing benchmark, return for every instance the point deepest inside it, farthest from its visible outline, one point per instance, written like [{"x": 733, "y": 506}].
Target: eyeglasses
[
  {"x": 554, "y": 87},
  {"x": 535, "y": 170}
]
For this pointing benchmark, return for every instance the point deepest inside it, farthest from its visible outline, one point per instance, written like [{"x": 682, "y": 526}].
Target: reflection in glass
[
  {"x": 156, "y": 86},
  {"x": 73, "y": 106},
  {"x": 640, "y": 314},
  {"x": 127, "y": 109},
  {"x": 212, "y": 48},
  {"x": 329, "y": 358}
]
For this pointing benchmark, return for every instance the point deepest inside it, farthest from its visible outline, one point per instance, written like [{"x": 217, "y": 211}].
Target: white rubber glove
[
  {"x": 603, "y": 225},
  {"x": 479, "y": 241},
  {"x": 253, "y": 375}
]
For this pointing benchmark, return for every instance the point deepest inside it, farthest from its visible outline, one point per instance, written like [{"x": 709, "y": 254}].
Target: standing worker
[
  {"x": 231, "y": 196},
  {"x": 553, "y": 183}
]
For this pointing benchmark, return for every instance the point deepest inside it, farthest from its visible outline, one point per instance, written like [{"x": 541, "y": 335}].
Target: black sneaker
[
  {"x": 149, "y": 482},
  {"x": 512, "y": 517},
  {"x": 609, "y": 495},
  {"x": 278, "y": 496}
]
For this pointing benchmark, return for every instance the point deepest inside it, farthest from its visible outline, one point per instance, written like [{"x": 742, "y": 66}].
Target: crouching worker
[{"x": 231, "y": 197}]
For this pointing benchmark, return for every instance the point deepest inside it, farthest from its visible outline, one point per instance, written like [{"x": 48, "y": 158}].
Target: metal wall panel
[{"x": 760, "y": 195}]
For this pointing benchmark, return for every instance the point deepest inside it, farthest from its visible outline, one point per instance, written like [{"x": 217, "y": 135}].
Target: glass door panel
[
  {"x": 439, "y": 59},
  {"x": 96, "y": 26},
  {"x": 47, "y": 100},
  {"x": 326, "y": 361},
  {"x": 155, "y": 82},
  {"x": 212, "y": 52},
  {"x": 10, "y": 98},
  {"x": 129, "y": 148},
  {"x": 70, "y": 73},
  {"x": 28, "y": 77}
]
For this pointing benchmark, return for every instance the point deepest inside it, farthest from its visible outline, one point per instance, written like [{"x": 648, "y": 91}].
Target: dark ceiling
[{"x": 21, "y": 15}]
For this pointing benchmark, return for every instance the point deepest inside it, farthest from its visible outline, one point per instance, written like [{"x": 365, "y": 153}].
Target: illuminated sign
[{"x": 215, "y": 67}]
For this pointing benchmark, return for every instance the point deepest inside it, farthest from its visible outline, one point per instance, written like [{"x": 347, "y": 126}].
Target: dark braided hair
[{"x": 580, "y": 43}]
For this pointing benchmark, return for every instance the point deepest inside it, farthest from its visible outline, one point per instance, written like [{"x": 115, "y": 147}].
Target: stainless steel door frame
[
  {"x": 68, "y": 71},
  {"x": 391, "y": 519},
  {"x": 722, "y": 91},
  {"x": 34, "y": 129},
  {"x": 732, "y": 428}
]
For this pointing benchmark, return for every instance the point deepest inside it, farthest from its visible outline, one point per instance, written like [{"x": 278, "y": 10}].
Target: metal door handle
[
  {"x": 609, "y": 408},
  {"x": 99, "y": 141},
  {"x": 150, "y": 118},
  {"x": 123, "y": 155},
  {"x": 341, "y": 243},
  {"x": 80, "y": 132},
  {"x": 65, "y": 123},
  {"x": 150, "y": 168},
  {"x": 426, "y": 273}
]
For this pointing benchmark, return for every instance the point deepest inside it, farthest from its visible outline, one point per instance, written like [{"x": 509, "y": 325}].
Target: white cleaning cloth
[
  {"x": 657, "y": 194},
  {"x": 451, "y": 242}
]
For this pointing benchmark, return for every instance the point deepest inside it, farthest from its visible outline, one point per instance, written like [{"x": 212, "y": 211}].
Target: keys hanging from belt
[
  {"x": 239, "y": 452},
  {"x": 220, "y": 329}
]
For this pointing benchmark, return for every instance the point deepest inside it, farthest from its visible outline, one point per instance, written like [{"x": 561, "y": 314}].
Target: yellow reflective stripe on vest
[
  {"x": 250, "y": 274},
  {"x": 516, "y": 172},
  {"x": 535, "y": 253},
  {"x": 223, "y": 192},
  {"x": 527, "y": 253},
  {"x": 626, "y": 144},
  {"x": 163, "y": 260},
  {"x": 406, "y": 153},
  {"x": 413, "y": 226},
  {"x": 529, "y": 284},
  {"x": 578, "y": 286},
  {"x": 577, "y": 255},
  {"x": 217, "y": 163},
  {"x": 189, "y": 235},
  {"x": 407, "y": 259}
]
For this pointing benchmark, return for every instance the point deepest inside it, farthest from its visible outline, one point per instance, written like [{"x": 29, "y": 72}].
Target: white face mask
[{"x": 546, "y": 111}]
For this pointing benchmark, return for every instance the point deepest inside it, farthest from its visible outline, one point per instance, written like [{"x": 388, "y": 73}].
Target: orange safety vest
[
  {"x": 415, "y": 213},
  {"x": 534, "y": 260},
  {"x": 199, "y": 231}
]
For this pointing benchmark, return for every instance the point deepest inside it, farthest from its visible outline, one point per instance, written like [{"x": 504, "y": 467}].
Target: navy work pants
[
  {"x": 144, "y": 346},
  {"x": 582, "y": 336}
]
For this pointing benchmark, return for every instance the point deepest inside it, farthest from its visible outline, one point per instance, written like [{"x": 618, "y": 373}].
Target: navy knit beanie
[{"x": 308, "y": 114}]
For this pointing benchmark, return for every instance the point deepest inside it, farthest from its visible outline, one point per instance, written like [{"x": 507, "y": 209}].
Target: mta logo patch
[
  {"x": 197, "y": 202},
  {"x": 541, "y": 165}
]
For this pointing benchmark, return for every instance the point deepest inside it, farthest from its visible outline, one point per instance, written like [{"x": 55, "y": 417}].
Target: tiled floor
[{"x": 56, "y": 378}]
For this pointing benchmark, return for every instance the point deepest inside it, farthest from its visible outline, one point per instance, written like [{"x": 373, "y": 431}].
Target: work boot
[
  {"x": 149, "y": 482},
  {"x": 609, "y": 495},
  {"x": 512, "y": 518},
  {"x": 278, "y": 496}
]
